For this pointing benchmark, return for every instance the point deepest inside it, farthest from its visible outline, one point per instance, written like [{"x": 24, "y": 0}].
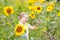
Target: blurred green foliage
[{"x": 7, "y": 24}]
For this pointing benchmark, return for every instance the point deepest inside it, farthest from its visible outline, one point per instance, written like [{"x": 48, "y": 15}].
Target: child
[{"x": 23, "y": 18}]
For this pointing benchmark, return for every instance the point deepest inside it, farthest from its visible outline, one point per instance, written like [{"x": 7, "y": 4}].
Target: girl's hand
[{"x": 34, "y": 27}]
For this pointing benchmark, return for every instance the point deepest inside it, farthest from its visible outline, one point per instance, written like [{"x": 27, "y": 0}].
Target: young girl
[{"x": 23, "y": 18}]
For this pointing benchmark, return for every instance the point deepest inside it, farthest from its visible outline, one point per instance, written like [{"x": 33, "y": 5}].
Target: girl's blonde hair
[{"x": 22, "y": 14}]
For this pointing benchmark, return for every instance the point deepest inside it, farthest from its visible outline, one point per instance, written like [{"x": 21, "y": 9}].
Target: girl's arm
[{"x": 32, "y": 27}]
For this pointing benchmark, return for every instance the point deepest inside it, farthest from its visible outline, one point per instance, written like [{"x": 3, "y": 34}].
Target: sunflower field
[{"x": 44, "y": 14}]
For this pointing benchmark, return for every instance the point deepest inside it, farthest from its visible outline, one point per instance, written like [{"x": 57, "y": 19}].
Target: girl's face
[{"x": 24, "y": 19}]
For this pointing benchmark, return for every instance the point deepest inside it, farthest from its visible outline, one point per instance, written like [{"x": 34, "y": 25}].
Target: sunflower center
[
  {"x": 38, "y": 8},
  {"x": 19, "y": 29},
  {"x": 49, "y": 8},
  {"x": 8, "y": 10},
  {"x": 32, "y": 14}
]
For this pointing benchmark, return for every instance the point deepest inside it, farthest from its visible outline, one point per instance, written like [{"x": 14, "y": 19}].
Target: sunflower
[
  {"x": 52, "y": 4},
  {"x": 58, "y": 14},
  {"x": 49, "y": 8},
  {"x": 8, "y": 10},
  {"x": 32, "y": 1},
  {"x": 41, "y": 1},
  {"x": 19, "y": 30},
  {"x": 32, "y": 15},
  {"x": 32, "y": 8},
  {"x": 38, "y": 9}
]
